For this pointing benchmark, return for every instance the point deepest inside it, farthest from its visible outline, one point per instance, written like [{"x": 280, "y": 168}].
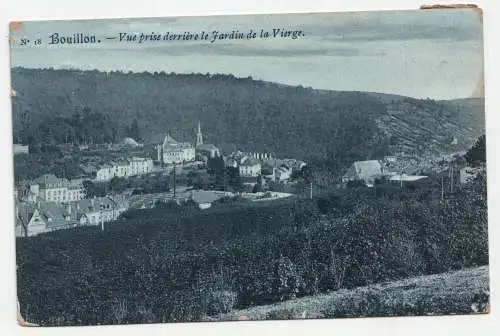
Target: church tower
[{"x": 199, "y": 136}]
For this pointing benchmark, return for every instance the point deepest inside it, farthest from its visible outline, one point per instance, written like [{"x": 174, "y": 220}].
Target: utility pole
[
  {"x": 175, "y": 178},
  {"x": 451, "y": 176},
  {"x": 25, "y": 224},
  {"x": 311, "y": 195},
  {"x": 101, "y": 207}
]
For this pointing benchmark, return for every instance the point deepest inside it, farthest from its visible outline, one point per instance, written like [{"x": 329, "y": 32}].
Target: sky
[{"x": 425, "y": 54}]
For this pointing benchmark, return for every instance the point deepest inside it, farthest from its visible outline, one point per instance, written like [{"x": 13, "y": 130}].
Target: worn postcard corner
[
  {"x": 15, "y": 25},
  {"x": 21, "y": 321},
  {"x": 473, "y": 7}
]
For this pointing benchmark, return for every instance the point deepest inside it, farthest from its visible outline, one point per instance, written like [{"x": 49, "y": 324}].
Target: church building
[{"x": 204, "y": 152}]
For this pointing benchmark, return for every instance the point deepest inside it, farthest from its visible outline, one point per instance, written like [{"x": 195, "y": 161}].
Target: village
[{"x": 50, "y": 203}]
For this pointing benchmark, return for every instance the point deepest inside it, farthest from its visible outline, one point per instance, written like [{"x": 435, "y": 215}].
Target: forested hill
[{"x": 56, "y": 106}]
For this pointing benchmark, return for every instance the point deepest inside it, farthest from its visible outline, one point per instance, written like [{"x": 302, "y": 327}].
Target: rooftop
[
  {"x": 368, "y": 168},
  {"x": 209, "y": 147},
  {"x": 203, "y": 196},
  {"x": 407, "y": 178},
  {"x": 250, "y": 161},
  {"x": 170, "y": 143}
]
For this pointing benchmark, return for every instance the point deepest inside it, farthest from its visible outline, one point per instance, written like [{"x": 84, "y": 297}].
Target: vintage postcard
[{"x": 252, "y": 167}]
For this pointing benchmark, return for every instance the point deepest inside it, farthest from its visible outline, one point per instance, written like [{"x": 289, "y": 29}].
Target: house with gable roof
[
  {"x": 35, "y": 218},
  {"x": 367, "y": 171}
]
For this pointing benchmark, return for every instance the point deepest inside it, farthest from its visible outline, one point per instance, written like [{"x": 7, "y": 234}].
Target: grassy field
[{"x": 462, "y": 292}]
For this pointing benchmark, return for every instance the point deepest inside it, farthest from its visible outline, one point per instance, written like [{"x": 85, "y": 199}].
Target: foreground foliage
[{"x": 158, "y": 265}]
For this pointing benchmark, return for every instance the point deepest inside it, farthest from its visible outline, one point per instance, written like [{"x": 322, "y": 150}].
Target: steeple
[{"x": 199, "y": 136}]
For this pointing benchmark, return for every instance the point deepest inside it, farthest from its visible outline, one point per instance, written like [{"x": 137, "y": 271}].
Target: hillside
[
  {"x": 461, "y": 292},
  {"x": 54, "y": 106}
]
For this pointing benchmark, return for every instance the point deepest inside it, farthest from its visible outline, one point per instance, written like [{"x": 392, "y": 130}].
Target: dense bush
[{"x": 160, "y": 265}]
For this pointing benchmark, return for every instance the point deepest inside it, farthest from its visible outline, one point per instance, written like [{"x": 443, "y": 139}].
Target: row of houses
[
  {"x": 119, "y": 168},
  {"x": 33, "y": 218}
]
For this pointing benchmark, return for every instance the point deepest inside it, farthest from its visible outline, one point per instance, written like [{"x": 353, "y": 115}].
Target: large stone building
[
  {"x": 51, "y": 188},
  {"x": 174, "y": 152}
]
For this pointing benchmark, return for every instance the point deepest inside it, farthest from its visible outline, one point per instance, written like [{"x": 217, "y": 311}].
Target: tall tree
[
  {"x": 133, "y": 130},
  {"x": 477, "y": 154}
]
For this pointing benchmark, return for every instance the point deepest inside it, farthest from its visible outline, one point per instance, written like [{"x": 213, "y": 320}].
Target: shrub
[{"x": 221, "y": 302}]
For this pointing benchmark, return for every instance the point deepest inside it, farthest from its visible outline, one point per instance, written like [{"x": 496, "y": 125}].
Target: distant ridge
[{"x": 291, "y": 121}]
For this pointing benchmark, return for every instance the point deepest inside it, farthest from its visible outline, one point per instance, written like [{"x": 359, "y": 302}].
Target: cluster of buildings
[
  {"x": 368, "y": 172},
  {"x": 172, "y": 152},
  {"x": 51, "y": 203},
  {"x": 253, "y": 164},
  {"x": 249, "y": 164}
]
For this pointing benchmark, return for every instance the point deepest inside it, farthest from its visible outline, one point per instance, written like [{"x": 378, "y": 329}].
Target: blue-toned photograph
[{"x": 251, "y": 167}]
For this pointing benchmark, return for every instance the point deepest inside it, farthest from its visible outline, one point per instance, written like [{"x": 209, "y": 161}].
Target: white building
[
  {"x": 468, "y": 174},
  {"x": 139, "y": 166},
  {"x": 283, "y": 173},
  {"x": 174, "y": 152},
  {"x": 366, "y": 171},
  {"x": 21, "y": 149},
  {"x": 50, "y": 188},
  {"x": 105, "y": 172},
  {"x": 235, "y": 159},
  {"x": 93, "y": 211},
  {"x": 280, "y": 173},
  {"x": 250, "y": 167},
  {"x": 124, "y": 168}
]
